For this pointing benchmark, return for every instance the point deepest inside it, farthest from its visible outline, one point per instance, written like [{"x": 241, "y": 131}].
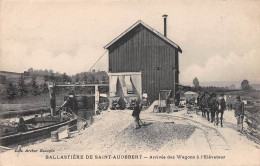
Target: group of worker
[{"x": 212, "y": 105}]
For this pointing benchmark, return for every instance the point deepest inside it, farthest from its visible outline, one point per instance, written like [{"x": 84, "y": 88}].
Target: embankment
[{"x": 12, "y": 114}]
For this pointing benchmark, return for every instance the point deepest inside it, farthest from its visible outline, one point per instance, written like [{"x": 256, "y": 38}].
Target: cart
[{"x": 164, "y": 95}]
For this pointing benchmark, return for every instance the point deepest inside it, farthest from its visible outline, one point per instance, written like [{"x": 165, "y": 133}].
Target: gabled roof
[{"x": 148, "y": 27}]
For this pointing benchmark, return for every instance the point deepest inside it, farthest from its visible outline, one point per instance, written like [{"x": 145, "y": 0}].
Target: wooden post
[
  {"x": 159, "y": 102},
  {"x": 52, "y": 99},
  {"x": 174, "y": 85},
  {"x": 96, "y": 99},
  {"x": 55, "y": 136}
]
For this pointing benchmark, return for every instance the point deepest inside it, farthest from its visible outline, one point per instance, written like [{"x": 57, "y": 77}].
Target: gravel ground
[
  {"x": 152, "y": 137},
  {"x": 113, "y": 132}
]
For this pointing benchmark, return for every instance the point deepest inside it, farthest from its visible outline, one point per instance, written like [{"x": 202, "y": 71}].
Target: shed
[{"x": 142, "y": 49}]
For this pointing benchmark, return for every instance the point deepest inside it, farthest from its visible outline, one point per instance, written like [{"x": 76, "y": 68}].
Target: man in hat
[
  {"x": 206, "y": 105},
  {"x": 145, "y": 98},
  {"x": 168, "y": 102},
  {"x": 145, "y": 95},
  {"x": 136, "y": 113},
  {"x": 239, "y": 113},
  {"x": 202, "y": 104},
  {"x": 213, "y": 107}
]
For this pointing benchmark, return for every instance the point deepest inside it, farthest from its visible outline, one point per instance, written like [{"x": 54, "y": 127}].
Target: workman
[
  {"x": 168, "y": 102},
  {"x": 239, "y": 114},
  {"x": 213, "y": 106},
  {"x": 145, "y": 98},
  {"x": 136, "y": 113}
]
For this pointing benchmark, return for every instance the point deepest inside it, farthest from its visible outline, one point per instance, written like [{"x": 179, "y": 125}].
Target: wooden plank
[
  {"x": 124, "y": 73},
  {"x": 82, "y": 85}
]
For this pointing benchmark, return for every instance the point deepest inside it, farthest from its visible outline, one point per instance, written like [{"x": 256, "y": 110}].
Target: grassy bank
[
  {"x": 28, "y": 105},
  {"x": 12, "y": 114}
]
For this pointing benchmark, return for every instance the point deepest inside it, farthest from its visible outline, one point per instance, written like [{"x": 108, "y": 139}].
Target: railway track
[
  {"x": 215, "y": 140},
  {"x": 250, "y": 136}
]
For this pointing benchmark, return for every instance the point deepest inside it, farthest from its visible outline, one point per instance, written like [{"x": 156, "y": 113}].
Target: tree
[
  {"x": 46, "y": 78},
  {"x": 233, "y": 86},
  {"x": 52, "y": 78},
  {"x": 104, "y": 78},
  {"x": 34, "y": 87},
  {"x": 45, "y": 72},
  {"x": 22, "y": 89},
  {"x": 196, "y": 82},
  {"x": 65, "y": 78},
  {"x": 245, "y": 85},
  {"x": 44, "y": 88},
  {"x": 96, "y": 81},
  {"x": 91, "y": 78},
  {"x": 77, "y": 78},
  {"x": 85, "y": 77},
  {"x": 30, "y": 70},
  {"x": 10, "y": 90}
]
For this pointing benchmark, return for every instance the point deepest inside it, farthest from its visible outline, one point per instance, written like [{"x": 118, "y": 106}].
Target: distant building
[{"x": 142, "y": 49}]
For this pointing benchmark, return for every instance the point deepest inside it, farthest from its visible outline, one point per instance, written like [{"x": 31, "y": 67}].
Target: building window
[
  {"x": 158, "y": 68},
  {"x": 130, "y": 91},
  {"x": 110, "y": 69}
]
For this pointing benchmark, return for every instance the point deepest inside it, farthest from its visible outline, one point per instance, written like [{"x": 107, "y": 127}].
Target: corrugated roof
[{"x": 148, "y": 27}]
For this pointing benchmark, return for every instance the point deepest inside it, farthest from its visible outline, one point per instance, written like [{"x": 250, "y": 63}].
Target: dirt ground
[{"x": 168, "y": 135}]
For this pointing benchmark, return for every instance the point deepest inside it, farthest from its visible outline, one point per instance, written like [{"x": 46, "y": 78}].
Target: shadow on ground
[
  {"x": 155, "y": 135},
  {"x": 230, "y": 125}
]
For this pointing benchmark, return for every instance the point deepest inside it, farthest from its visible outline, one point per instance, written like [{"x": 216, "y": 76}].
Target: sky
[{"x": 220, "y": 39}]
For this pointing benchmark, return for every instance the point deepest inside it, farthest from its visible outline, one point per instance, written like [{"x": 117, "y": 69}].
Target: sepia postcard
[{"x": 120, "y": 82}]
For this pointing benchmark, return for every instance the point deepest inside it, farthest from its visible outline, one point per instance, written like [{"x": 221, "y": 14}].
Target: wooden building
[{"x": 142, "y": 49}]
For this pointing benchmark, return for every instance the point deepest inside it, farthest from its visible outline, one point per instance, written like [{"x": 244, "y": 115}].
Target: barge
[{"x": 34, "y": 129}]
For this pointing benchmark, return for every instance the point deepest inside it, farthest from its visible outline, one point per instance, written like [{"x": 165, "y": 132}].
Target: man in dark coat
[
  {"x": 239, "y": 113},
  {"x": 168, "y": 102},
  {"x": 205, "y": 105},
  {"x": 213, "y": 106},
  {"x": 136, "y": 113},
  {"x": 199, "y": 104}
]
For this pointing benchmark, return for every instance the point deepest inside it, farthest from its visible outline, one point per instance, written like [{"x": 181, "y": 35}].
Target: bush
[
  {"x": 22, "y": 88},
  {"x": 34, "y": 88},
  {"x": 10, "y": 91}
]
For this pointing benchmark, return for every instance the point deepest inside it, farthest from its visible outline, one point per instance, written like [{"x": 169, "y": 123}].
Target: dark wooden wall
[{"x": 142, "y": 50}]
